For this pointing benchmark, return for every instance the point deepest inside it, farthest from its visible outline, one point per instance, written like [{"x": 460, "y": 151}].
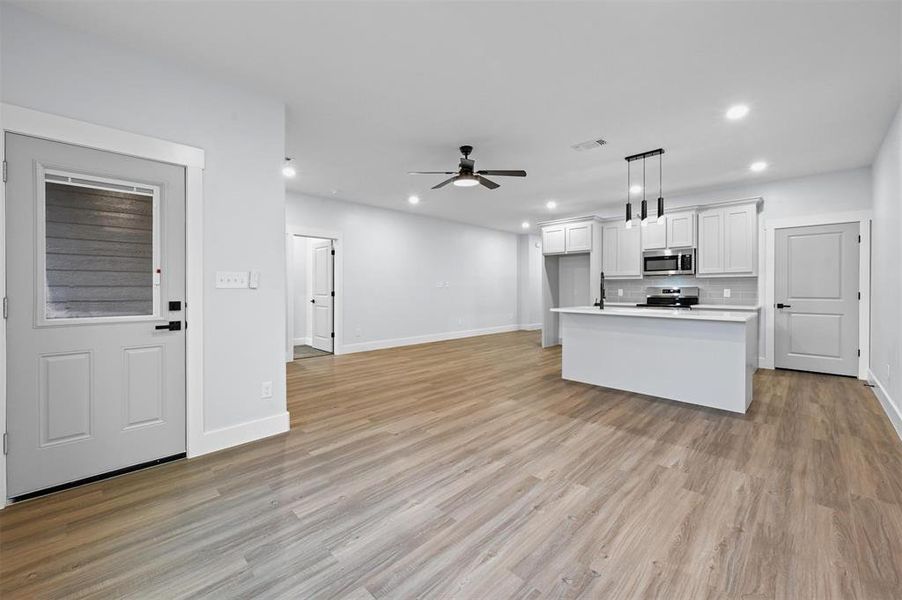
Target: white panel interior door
[
  {"x": 816, "y": 283},
  {"x": 323, "y": 300},
  {"x": 95, "y": 252}
]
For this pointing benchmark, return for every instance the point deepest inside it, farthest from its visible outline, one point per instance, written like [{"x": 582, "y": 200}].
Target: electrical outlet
[
  {"x": 357, "y": 332},
  {"x": 266, "y": 389},
  {"x": 620, "y": 292},
  {"x": 727, "y": 292}
]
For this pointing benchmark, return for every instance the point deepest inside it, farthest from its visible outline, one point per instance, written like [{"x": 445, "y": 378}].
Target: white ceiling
[{"x": 376, "y": 89}]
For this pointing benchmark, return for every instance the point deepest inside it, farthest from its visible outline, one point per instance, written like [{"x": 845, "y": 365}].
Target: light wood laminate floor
[{"x": 469, "y": 469}]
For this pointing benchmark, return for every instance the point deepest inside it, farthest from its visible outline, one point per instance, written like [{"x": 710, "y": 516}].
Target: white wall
[
  {"x": 886, "y": 274},
  {"x": 529, "y": 277},
  {"x": 408, "y": 278},
  {"x": 56, "y": 70},
  {"x": 300, "y": 295}
]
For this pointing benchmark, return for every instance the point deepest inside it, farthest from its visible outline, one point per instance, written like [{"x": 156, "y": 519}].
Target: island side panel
[{"x": 697, "y": 362}]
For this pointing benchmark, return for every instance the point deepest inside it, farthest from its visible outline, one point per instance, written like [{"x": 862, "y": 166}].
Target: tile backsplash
[{"x": 743, "y": 290}]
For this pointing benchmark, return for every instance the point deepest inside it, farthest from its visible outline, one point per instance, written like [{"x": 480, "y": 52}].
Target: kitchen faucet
[{"x": 600, "y": 303}]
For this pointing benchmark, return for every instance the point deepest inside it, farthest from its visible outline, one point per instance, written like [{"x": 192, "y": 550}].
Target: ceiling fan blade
[
  {"x": 430, "y": 173},
  {"x": 487, "y": 183},
  {"x": 444, "y": 183},
  {"x": 503, "y": 173}
]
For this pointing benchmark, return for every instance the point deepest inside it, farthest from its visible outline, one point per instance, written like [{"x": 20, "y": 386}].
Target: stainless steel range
[{"x": 676, "y": 297}]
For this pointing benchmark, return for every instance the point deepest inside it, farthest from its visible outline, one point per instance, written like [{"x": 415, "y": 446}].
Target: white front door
[
  {"x": 816, "y": 295},
  {"x": 95, "y": 341},
  {"x": 323, "y": 296}
]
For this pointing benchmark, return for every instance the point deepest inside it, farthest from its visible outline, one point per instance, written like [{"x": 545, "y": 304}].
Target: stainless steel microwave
[{"x": 668, "y": 262}]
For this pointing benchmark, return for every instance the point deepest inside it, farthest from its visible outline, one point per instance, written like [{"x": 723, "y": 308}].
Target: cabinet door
[
  {"x": 654, "y": 235},
  {"x": 553, "y": 240},
  {"x": 629, "y": 252},
  {"x": 610, "y": 241},
  {"x": 681, "y": 230},
  {"x": 578, "y": 237},
  {"x": 710, "y": 241},
  {"x": 740, "y": 233}
]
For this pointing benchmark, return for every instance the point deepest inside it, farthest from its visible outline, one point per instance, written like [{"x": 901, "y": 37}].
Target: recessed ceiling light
[
  {"x": 758, "y": 166},
  {"x": 551, "y": 205},
  {"x": 525, "y": 224},
  {"x": 288, "y": 169},
  {"x": 413, "y": 199},
  {"x": 635, "y": 189},
  {"x": 737, "y": 111}
]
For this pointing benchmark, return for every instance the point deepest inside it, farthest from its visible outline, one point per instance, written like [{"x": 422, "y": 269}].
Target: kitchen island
[{"x": 702, "y": 357}]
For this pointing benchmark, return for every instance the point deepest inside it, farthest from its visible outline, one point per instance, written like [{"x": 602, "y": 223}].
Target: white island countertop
[{"x": 661, "y": 313}]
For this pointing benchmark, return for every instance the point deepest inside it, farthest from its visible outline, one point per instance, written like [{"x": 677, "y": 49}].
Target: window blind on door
[{"x": 99, "y": 252}]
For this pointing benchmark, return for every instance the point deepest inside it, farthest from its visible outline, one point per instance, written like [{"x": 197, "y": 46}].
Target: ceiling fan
[{"x": 465, "y": 176}]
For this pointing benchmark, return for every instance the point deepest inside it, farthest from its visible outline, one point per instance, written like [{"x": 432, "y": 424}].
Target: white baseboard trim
[
  {"x": 424, "y": 339},
  {"x": 304, "y": 341},
  {"x": 895, "y": 417},
  {"x": 530, "y": 326},
  {"x": 235, "y": 435},
  {"x": 763, "y": 363}
]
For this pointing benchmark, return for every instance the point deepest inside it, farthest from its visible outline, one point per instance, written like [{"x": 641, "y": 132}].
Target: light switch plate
[
  {"x": 266, "y": 389},
  {"x": 620, "y": 292},
  {"x": 726, "y": 292},
  {"x": 254, "y": 281},
  {"x": 231, "y": 279}
]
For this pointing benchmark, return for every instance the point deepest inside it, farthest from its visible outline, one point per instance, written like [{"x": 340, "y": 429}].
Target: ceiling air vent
[{"x": 583, "y": 146}]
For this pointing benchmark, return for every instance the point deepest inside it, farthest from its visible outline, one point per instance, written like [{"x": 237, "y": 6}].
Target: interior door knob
[
  {"x": 781, "y": 305},
  {"x": 313, "y": 301}
]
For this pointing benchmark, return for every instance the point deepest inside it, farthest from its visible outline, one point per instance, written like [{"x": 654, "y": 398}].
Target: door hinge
[
  {"x": 333, "y": 252},
  {"x": 5, "y": 443},
  {"x": 859, "y": 238},
  {"x": 4, "y": 171},
  {"x": 333, "y": 334},
  {"x": 333, "y": 293},
  {"x": 859, "y": 295},
  {"x": 5, "y": 307},
  {"x": 859, "y": 352}
]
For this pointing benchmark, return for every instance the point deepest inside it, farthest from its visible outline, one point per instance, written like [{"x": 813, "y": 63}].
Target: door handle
[
  {"x": 171, "y": 326},
  {"x": 781, "y": 305},
  {"x": 313, "y": 301}
]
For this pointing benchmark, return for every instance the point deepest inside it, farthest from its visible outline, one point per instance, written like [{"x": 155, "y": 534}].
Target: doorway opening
[{"x": 311, "y": 301}]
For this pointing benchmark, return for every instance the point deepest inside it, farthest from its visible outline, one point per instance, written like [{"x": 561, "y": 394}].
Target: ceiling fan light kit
[
  {"x": 466, "y": 176},
  {"x": 643, "y": 156}
]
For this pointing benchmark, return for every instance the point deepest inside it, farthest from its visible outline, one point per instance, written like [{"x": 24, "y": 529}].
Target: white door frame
[
  {"x": 863, "y": 218},
  {"x": 16, "y": 119},
  {"x": 337, "y": 281}
]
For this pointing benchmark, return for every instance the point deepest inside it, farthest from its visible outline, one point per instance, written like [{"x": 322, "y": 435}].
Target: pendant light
[
  {"x": 660, "y": 188},
  {"x": 629, "y": 207},
  {"x": 644, "y": 221},
  {"x": 643, "y": 214}
]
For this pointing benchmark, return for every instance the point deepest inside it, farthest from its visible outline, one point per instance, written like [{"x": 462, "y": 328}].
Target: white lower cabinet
[
  {"x": 622, "y": 251},
  {"x": 728, "y": 240}
]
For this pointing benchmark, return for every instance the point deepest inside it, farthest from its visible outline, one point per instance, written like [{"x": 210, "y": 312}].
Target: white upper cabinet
[
  {"x": 568, "y": 238},
  {"x": 680, "y": 230},
  {"x": 654, "y": 236},
  {"x": 728, "y": 240},
  {"x": 622, "y": 251},
  {"x": 553, "y": 240},
  {"x": 677, "y": 231},
  {"x": 579, "y": 237},
  {"x": 740, "y": 238}
]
